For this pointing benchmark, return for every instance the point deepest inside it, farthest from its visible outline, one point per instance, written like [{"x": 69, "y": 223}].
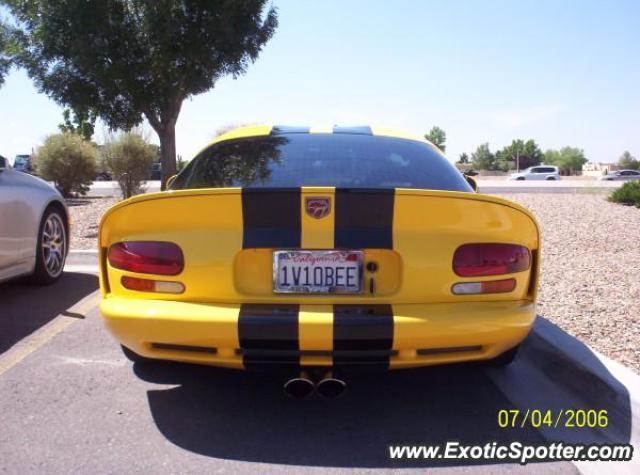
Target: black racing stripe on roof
[
  {"x": 357, "y": 130},
  {"x": 289, "y": 129},
  {"x": 271, "y": 218},
  {"x": 362, "y": 328},
  {"x": 364, "y": 218}
]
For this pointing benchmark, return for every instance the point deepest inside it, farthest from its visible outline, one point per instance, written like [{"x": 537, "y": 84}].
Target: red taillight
[
  {"x": 472, "y": 260},
  {"x": 147, "y": 257}
]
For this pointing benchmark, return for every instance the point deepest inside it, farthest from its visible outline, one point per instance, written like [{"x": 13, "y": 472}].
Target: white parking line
[
  {"x": 82, "y": 268},
  {"x": 39, "y": 338}
]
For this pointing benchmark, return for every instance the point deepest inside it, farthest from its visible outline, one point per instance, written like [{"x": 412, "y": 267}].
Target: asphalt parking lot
[{"x": 72, "y": 403}]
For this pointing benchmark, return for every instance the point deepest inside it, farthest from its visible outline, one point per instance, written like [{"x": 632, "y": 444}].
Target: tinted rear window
[{"x": 340, "y": 160}]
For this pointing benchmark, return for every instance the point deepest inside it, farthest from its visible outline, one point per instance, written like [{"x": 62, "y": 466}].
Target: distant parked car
[
  {"x": 540, "y": 172},
  {"x": 22, "y": 163},
  {"x": 156, "y": 171},
  {"x": 621, "y": 175},
  {"x": 34, "y": 227},
  {"x": 104, "y": 176}
]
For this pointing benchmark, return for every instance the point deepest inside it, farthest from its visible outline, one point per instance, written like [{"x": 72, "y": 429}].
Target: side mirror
[
  {"x": 472, "y": 182},
  {"x": 4, "y": 164},
  {"x": 170, "y": 181}
]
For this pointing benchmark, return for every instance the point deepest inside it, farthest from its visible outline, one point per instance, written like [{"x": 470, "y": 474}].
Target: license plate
[{"x": 327, "y": 272}]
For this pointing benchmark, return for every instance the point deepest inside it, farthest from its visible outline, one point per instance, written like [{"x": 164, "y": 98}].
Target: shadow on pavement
[
  {"x": 24, "y": 307},
  {"x": 245, "y": 416}
]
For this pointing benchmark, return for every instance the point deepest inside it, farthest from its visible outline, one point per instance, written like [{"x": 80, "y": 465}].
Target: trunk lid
[{"x": 228, "y": 237}]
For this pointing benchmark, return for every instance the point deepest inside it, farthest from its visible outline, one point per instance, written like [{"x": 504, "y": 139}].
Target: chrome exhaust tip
[
  {"x": 331, "y": 388},
  {"x": 299, "y": 388}
]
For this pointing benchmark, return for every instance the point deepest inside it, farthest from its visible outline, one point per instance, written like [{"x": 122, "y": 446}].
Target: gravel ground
[
  {"x": 590, "y": 280},
  {"x": 85, "y": 218}
]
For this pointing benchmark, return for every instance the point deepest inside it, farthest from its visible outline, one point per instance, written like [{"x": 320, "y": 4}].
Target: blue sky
[{"x": 562, "y": 72}]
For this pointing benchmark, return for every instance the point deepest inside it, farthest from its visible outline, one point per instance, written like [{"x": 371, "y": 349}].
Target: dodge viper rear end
[{"x": 294, "y": 248}]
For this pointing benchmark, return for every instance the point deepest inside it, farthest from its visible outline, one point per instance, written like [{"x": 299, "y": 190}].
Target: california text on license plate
[{"x": 317, "y": 272}]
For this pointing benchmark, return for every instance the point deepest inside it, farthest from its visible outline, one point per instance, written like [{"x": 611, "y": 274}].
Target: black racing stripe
[
  {"x": 268, "y": 336},
  {"x": 357, "y": 130},
  {"x": 362, "y": 335},
  {"x": 271, "y": 217},
  {"x": 268, "y": 327},
  {"x": 364, "y": 218},
  {"x": 289, "y": 129}
]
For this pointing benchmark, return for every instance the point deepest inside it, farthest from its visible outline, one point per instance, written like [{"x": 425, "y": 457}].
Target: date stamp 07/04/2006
[{"x": 561, "y": 418}]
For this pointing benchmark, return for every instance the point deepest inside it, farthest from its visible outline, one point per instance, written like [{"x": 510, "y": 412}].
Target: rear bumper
[{"x": 318, "y": 335}]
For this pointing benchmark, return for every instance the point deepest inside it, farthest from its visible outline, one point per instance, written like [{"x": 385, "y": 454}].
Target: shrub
[
  {"x": 129, "y": 158},
  {"x": 68, "y": 161},
  {"x": 628, "y": 194}
]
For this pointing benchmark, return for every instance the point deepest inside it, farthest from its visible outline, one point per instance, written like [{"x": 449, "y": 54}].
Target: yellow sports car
[{"x": 316, "y": 251}]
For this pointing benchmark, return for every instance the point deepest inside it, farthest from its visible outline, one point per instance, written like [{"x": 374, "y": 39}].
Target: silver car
[
  {"x": 621, "y": 175},
  {"x": 539, "y": 172},
  {"x": 34, "y": 227}
]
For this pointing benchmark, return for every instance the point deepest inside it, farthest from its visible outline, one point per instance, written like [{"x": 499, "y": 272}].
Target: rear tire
[
  {"x": 52, "y": 247},
  {"x": 551, "y": 178},
  {"x": 520, "y": 178},
  {"x": 133, "y": 356},
  {"x": 504, "y": 359}
]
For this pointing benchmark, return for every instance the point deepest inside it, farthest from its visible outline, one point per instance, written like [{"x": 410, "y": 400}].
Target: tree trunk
[{"x": 167, "y": 137}]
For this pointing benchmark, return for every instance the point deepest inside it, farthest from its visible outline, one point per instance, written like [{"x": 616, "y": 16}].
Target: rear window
[{"x": 340, "y": 160}]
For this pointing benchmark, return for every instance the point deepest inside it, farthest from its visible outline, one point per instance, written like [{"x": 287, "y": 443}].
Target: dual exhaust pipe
[{"x": 303, "y": 386}]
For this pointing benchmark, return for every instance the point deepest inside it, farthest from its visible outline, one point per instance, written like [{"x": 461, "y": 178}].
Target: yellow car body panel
[
  {"x": 412, "y": 285},
  {"x": 425, "y": 333}
]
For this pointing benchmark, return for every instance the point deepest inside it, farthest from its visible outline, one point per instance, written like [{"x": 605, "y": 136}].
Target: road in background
[
  {"x": 583, "y": 185},
  {"x": 490, "y": 186},
  {"x": 111, "y": 188}
]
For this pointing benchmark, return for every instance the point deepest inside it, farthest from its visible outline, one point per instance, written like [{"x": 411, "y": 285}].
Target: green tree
[
  {"x": 568, "y": 159},
  {"x": 133, "y": 59},
  {"x": 68, "y": 161},
  {"x": 628, "y": 161},
  {"x": 5, "y": 59},
  {"x": 437, "y": 137},
  {"x": 464, "y": 158},
  {"x": 129, "y": 158},
  {"x": 483, "y": 158},
  {"x": 519, "y": 154},
  {"x": 83, "y": 123}
]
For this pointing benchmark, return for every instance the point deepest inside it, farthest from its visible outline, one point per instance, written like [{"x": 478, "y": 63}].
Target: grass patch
[{"x": 627, "y": 194}]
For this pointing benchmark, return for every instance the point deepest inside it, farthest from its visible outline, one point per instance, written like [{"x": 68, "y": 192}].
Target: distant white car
[
  {"x": 621, "y": 175},
  {"x": 540, "y": 172},
  {"x": 34, "y": 227}
]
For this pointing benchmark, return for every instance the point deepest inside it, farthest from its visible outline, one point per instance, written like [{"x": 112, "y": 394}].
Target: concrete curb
[{"x": 562, "y": 373}]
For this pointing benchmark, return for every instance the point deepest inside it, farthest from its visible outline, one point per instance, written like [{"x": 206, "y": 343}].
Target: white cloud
[{"x": 513, "y": 118}]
